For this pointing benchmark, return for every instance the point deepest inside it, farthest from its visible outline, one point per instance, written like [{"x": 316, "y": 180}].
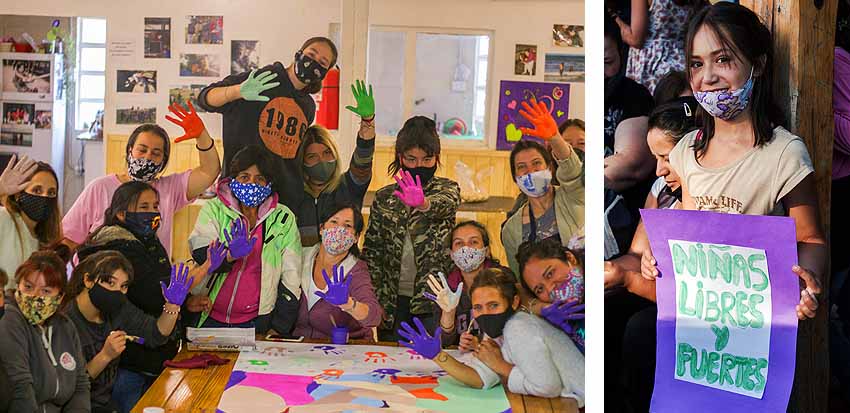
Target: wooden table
[{"x": 199, "y": 390}]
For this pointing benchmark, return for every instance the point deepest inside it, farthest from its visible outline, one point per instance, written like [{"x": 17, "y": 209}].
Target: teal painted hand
[
  {"x": 251, "y": 88},
  {"x": 365, "y": 101}
]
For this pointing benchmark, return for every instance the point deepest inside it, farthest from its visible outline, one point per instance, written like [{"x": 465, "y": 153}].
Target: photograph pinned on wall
[
  {"x": 136, "y": 81},
  {"x": 563, "y": 68},
  {"x": 43, "y": 119},
  {"x": 567, "y": 36},
  {"x": 199, "y": 65},
  {"x": 17, "y": 115},
  {"x": 204, "y": 29},
  {"x": 244, "y": 55},
  {"x": 135, "y": 115},
  {"x": 182, "y": 95},
  {"x": 525, "y": 60},
  {"x": 26, "y": 76},
  {"x": 158, "y": 37},
  {"x": 15, "y": 138}
]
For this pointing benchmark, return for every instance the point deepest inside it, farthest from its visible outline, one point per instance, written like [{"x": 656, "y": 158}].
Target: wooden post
[{"x": 803, "y": 40}]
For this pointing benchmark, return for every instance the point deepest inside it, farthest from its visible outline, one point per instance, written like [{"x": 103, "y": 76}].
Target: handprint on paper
[
  {"x": 329, "y": 374},
  {"x": 328, "y": 350},
  {"x": 414, "y": 355},
  {"x": 377, "y": 357},
  {"x": 382, "y": 373}
]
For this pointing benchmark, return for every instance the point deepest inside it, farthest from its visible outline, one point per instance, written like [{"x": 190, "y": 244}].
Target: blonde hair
[{"x": 319, "y": 134}]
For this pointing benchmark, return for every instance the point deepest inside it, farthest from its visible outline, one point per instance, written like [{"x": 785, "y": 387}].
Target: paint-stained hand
[
  {"x": 562, "y": 312},
  {"x": 178, "y": 287},
  {"x": 253, "y": 87},
  {"x": 538, "y": 114},
  {"x": 410, "y": 190},
  {"x": 338, "y": 287},
  {"x": 811, "y": 287},
  {"x": 191, "y": 123},
  {"x": 365, "y": 101},
  {"x": 426, "y": 345},
  {"x": 216, "y": 254},
  {"x": 237, "y": 240}
]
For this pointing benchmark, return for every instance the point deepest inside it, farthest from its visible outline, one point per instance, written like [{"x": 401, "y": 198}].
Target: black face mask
[
  {"x": 142, "y": 223},
  {"x": 493, "y": 324},
  {"x": 107, "y": 301},
  {"x": 36, "y": 207},
  {"x": 307, "y": 70},
  {"x": 424, "y": 174}
]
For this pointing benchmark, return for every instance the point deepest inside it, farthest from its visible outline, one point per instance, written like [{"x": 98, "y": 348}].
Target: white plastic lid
[{"x": 153, "y": 410}]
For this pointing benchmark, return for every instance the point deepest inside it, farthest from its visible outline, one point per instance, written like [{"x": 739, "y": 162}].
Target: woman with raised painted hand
[
  {"x": 742, "y": 161},
  {"x": 147, "y": 152},
  {"x": 258, "y": 284}
]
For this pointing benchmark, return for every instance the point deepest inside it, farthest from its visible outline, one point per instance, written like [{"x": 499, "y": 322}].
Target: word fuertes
[{"x": 741, "y": 309}]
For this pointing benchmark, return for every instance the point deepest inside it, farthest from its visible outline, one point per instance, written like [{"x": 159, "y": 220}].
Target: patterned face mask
[
  {"x": 726, "y": 104},
  {"x": 250, "y": 194},
  {"x": 37, "y": 309},
  {"x": 572, "y": 289},
  {"x": 468, "y": 258},
  {"x": 142, "y": 169},
  {"x": 307, "y": 70},
  {"x": 337, "y": 240},
  {"x": 535, "y": 184}
]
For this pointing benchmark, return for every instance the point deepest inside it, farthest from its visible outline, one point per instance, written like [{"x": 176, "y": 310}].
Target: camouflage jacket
[{"x": 389, "y": 221}]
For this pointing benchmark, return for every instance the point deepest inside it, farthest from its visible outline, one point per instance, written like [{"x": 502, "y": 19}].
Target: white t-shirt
[{"x": 14, "y": 250}]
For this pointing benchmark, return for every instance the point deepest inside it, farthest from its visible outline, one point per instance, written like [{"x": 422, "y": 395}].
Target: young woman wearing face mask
[
  {"x": 469, "y": 244},
  {"x": 272, "y": 107},
  {"x": 531, "y": 356},
  {"x": 551, "y": 210},
  {"x": 336, "y": 285},
  {"x": 148, "y": 150},
  {"x": 29, "y": 218},
  {"x": 106, "y": 322},
  {"x": 258, "y": 284},
  {"x": 130, "y": 226},
  {"x": 742, "y": 161},
  {"x": 408, "y": 224},
  {"x": 40, "y": 354},
  {"x": 325, "y": 183}
]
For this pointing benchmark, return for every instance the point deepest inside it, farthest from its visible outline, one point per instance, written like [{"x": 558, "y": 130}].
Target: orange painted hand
[
  {"x": 538, "y": 114},
  {"x": 191, "y": 123}
]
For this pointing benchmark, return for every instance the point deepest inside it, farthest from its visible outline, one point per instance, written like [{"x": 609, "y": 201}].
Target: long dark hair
[
  {"x": 333, "y": 209},
  {"x": 316, "y": 87},
  {"x": 674, "y": 119},
  {"x": 417, "y": 132},
  {"x": 156, "y": 130},
  {"x": 48, "y": 230},
  {"x": 542, "y": 250},
  {"x": 96, "y": 267},
  {"x": 742, "y": 33},
  {"x": 125, "y": 196}
]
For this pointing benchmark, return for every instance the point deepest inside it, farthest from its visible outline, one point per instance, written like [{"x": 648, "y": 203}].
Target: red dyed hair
[{"x": 49, "y": 264}]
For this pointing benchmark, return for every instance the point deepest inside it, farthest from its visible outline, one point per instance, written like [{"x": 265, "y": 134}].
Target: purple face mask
[
  {"x": 726, "y": 104},
  {"x": 572, "y": 289}
]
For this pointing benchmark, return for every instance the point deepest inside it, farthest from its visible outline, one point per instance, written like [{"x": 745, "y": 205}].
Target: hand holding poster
[{"x": 727, "y": 326}]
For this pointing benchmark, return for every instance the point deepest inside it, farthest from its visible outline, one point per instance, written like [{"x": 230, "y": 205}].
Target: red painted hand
[
  {"x": 191, "y": 123},
  {"x": 538, "y": 114}
]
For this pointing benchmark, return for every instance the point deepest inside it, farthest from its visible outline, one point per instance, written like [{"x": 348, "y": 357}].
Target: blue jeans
[{"x": 128, "y": 388}]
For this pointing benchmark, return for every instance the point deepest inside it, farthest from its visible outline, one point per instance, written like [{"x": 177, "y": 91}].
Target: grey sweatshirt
[
  {"x": 44, "y": 365},
  {"x": 546, "y": 362}
]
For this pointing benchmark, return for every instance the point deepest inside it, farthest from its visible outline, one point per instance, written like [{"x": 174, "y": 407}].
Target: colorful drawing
[
  {"x": 384, "y": 378},
  {"x": 556, "y": 96},
  {"x": 727, "y": 324}
]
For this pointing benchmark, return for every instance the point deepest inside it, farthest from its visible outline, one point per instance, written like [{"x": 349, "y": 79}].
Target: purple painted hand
[
  {"x": 385, "y": 372},
  {"x": 179, "y": 285},
  {"x": 237, "y": 240},
  {"x": 338, "y": 287},
  {"x": 411, "y": 191},
  {"x": 427, "y": 346},
  {"x": 562, "y": 312},
  {"x": 216, "y": 254}
]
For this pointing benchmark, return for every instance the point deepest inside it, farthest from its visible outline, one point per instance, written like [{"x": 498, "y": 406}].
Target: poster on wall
[
  {"x": 18, "y": 114},
  {"x": 525, "y": 60},
  {"x": 135, "y": 115},
  {"x": 199, "y": 65},
  {"x": 567, "y": 36},
  {"x": 204, "y": 29},
  {"x": 43, "y": 119},
  {"x": 136, "y": 81},
  {"x": 182, "y": 95},
  {"x": 556, "y": 96},
  {"x": 727, "y": 323},
  {"x": 26, "y": 76},
  {"x": 158, "y": 37},
  {"x": 563, "y": 68},
  {"x": 244, "y": 56}
]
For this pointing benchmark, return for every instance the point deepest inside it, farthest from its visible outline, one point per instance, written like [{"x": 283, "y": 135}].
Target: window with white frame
[
  {"x": 91, "y": 70},
  {"x": 439, "y": 74}
]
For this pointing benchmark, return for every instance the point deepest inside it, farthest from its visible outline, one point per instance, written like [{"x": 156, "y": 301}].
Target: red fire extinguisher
[{"x": 327, "y": 114}]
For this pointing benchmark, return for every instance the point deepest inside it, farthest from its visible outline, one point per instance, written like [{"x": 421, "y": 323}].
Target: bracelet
[
  {"x": 447, "y": 329},
  {"x": 166, "y": 311},
  {"x": 204, "y": 150}
]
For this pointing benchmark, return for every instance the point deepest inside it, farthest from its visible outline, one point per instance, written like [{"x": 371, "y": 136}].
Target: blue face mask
[
  {"x": 142, "y": 223},
  {"x": 251, "y": 194}
]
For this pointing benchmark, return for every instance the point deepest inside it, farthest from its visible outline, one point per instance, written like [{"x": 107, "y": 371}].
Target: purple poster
[
  {"x": 727, "y": 324},
  {"x": 511, "y": 94}
]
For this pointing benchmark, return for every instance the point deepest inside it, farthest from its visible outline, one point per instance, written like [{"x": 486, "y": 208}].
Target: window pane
[
  {"x": 93, "y": 59},
  {"x": 87, "y": 112},
  {"x": 446, "y": 72},
  {"x": 92, "y": 86},
  {"x": 385, "y": 72},
  {"x": 481, "y": 73},
  {"x": 94, "y": 31}
]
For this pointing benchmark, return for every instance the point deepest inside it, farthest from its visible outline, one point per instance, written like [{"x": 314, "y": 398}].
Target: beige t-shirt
[
  {"x": 14, "y": 250},
  {"x": 752, "y": 185}
]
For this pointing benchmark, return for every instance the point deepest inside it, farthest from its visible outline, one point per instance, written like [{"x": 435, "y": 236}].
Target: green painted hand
[
  {"x": 722, "y": 337},
  {"x": 252, "y": 87},
  {"x": 365, "y": 102}
]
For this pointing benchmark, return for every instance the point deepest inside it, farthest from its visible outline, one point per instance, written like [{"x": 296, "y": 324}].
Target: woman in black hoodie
[{"x": 42, "y": 367}]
